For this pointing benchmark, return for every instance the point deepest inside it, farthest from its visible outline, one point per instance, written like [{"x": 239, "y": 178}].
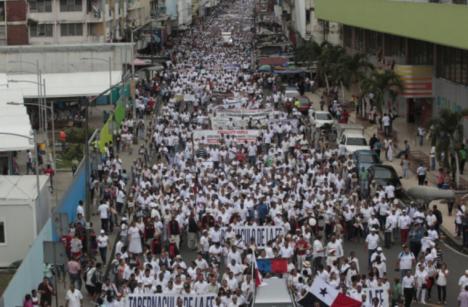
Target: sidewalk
[
  {"x": 127, "y": 161},
  {"x": 406, "y": 131}
]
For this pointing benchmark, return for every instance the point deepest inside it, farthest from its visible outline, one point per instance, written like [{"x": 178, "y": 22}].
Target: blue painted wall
[{"x": 30, "y": 273}]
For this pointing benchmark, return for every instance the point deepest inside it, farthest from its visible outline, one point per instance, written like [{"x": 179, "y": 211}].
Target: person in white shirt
[
  {"x": 372, "y": 242},
  {"x": 408, "y": 282},
  {"x": 103, "y": 210},
  {"x": 73, "y": 297},
  {"x": 103, "y": 242},
  {"x": 441, "y": 282},
  {"x": 463, "y": 281},
  {"x": 318, "y": 252},
  {"x": 421, "y": 277},
  {"x": 406, "y": 260}
]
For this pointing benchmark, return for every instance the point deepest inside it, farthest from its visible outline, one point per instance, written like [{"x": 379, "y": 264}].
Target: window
[
  {"x": 452, "y": 64},
  {"x": 420, "y": 52},
  {"x": 307, "y": 13},
  {"x": 2, "y": 233},
  {"x": 70, "y": 5},
  {"x": 92, "y": 29},
  {"x": 41, "y": 30},
  {"x": 394, "y": 45},
  {"x": 71, "y": 29},
  {"x": 2, "y": 11},
  {"x": 40, "y": 6},
  {"x": 348, "y": 36}
]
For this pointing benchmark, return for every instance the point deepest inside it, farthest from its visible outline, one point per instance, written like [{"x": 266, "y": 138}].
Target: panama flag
[
  {"x": 256, "y": 273},
  {"x": 330, "y": 296}
]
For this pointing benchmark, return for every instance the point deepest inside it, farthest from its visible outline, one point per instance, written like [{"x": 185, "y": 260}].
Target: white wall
[
  {"x": 300, "y": 18},
  {"x": 65, "y": 58},
  {"x": 19, "y": 229}
]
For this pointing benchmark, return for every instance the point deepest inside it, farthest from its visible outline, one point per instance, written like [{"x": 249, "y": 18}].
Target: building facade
[
  {"x": 421, "y": 41},
  {"x": 300, "y": 23}
]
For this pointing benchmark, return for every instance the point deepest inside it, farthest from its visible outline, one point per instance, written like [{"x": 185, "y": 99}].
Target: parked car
[
  {"x": 291, "y": 92},
  {"x": 384, "y": 175},
  {"x": 320, "y": 118},
  {"x": 304, "y": 104},
  {"x": 365, "y": 158},
  {"x": 351, "y": 141}
]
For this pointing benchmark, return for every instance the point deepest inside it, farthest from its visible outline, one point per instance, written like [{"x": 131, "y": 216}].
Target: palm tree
[
  {"x": 350, "y": 69},
  {"x": 330, "y": 62},
  {"x": 447, "y": 135},
  {"x": 379, "y": 83},
  {"x": 308, "y": 53}
]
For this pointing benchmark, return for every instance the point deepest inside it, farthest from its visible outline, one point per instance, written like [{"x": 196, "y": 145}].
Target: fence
[
  {"x": 120, "y": 96},
  {"x": 30, "y": 272}
]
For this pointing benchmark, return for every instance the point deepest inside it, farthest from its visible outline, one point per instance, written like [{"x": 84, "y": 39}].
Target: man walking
[
  {"x": 103, "y": 242},
  {"x": 421, "y": 172}
]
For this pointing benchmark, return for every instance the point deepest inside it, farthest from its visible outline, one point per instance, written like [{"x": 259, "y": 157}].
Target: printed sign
[
  {"x": 161, "y": 300},
  {"x": 261, "y": 234},
  {"x": 379, "y": 293},
  {"x": 214, "y": 137}
]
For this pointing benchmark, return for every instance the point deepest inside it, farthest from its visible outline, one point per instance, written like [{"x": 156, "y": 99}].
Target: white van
[{"x": 273, "y": 292}]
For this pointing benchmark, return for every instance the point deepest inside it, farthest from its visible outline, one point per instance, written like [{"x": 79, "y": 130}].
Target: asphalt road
[{"x": 457, "y": 264}]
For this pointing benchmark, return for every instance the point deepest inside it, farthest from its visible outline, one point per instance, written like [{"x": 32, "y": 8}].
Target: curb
[{"x": 453, "y": 241}]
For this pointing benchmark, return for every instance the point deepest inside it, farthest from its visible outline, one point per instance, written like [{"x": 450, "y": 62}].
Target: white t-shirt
[
  {"x": 102, "y": 241},
  {"x": 463, "y": 281},
  {"x": 74, "y": 298},
  {"x": 372, "y": 241},
  {"x": 103, "y": 211},
  {"x": 406, "y": 260}
]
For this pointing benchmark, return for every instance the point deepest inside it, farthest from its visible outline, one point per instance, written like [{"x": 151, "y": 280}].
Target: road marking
[{"x": 454, "y": 250}]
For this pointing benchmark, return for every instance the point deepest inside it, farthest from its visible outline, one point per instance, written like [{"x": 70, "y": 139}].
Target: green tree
[
  {"x": 447, "y": 136},
  {"x": 308, "y": 53},
  {"x": 379, "y": 83}
]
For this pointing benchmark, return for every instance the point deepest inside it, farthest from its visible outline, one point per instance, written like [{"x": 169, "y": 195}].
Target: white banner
[
  {"x": 239, "y": 118},
  {"x": 169, "y": 300},
  {"x": 244, "y": 112},
  {"x": 214, "y": 137},
  {"x": 380, "y": 293},
  {"x": 261, "y": 234}
]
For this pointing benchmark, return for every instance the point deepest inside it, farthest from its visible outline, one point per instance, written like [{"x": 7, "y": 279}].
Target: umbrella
[{"x": 265, "y": 68}]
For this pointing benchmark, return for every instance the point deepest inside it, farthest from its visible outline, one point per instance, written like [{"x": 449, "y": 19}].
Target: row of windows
[
  {"x": 66, "y": 29},
  {"x": 452, "y": 64},
  {"x": 45, "y": 6}
]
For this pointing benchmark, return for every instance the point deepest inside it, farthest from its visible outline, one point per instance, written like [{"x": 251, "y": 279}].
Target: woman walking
[{"x": 441, "y": 282}]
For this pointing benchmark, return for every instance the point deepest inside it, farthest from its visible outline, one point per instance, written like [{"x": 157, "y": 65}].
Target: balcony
[{"x": 438, "y": 23}]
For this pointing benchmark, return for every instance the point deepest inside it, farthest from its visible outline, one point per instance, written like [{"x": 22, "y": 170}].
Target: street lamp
[
  {"x": 43, "y": 105},
  {"x": 51, "y": 108},
  {"x": 109, "y": 61}
]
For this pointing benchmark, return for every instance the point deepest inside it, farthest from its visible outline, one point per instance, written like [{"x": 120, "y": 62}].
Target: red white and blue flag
[{"x": 328, "y": 295}]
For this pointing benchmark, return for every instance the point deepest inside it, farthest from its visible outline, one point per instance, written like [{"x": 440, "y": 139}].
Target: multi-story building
[
  {"x": 300, "y": 23},
  {"x": 424, "y": 42},
  {"x": 13, "y": 22},
  {"x": 76, "y": 21}
]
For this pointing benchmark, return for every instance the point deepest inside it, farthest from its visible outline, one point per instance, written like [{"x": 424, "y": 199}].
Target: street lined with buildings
[{"x": 248, "y": 153}]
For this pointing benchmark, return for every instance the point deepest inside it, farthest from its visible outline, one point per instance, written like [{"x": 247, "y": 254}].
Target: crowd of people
[{"x": 175, "y": 211}]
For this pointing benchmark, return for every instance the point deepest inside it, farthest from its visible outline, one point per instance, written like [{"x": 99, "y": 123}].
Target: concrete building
[
  {"x": 19, "y": 201},
  {"x": 300, "y": 23},
  {"x": 13, "y": 22},
  {"x": 76, "y": 21},
  {"x": 422, "y": 41}
]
